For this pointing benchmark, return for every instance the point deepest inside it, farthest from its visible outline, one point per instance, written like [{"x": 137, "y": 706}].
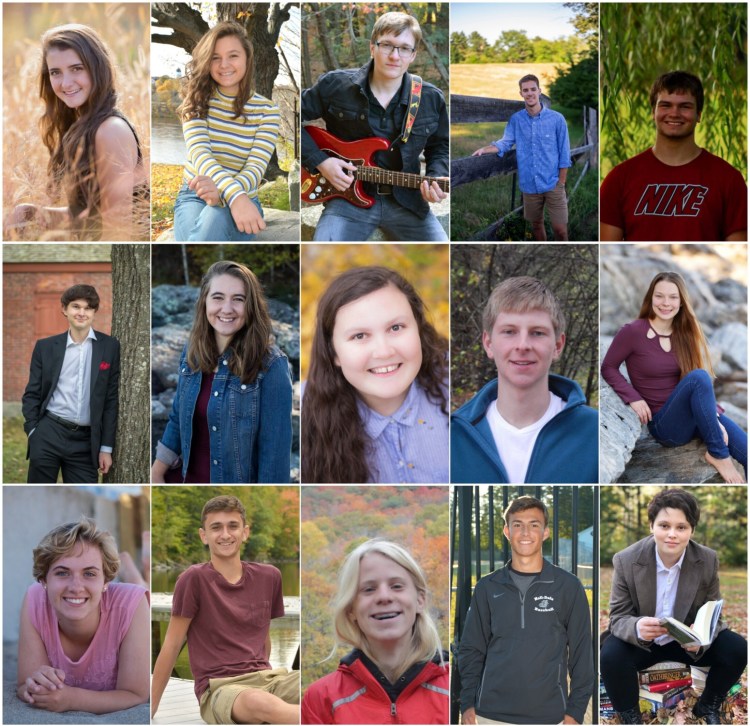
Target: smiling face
[
  {"x": 378, "y": 348},
  {"x": 676, "y": 115},
  {"x": 665, "y": 301},
  {"x": 225, "y": 307},
  {"x": 392, "y": 65},
  {"x": 530, "y": 94},
  {"x": 80, "y": 316},
  {"x": 74, "y": 584},
  {"x": 70, "y": 80},
  {"x": 387, "y": 602},
  {"x": 523, "y": 346},
  {"x": 224, "y": 533},
  {"x": 672, "y": 533},
  {"x": 228, "y": 64},
  {"x": 526, "y": 532}
]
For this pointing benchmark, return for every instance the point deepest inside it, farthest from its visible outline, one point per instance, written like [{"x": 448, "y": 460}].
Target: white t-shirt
[{"x": 515, "y": 445}]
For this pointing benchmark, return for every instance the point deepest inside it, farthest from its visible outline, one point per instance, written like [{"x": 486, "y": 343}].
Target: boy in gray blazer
[{"x": 666, "y": 575}]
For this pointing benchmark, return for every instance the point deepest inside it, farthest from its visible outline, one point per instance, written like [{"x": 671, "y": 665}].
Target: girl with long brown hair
[
  {"x": 230, "y": 133},
  {"x": 231, "y": 417},
  {"x": 95, "y": 162},
  {"x": 671, "y": 387},
  {"x": 375, "y": 402}
]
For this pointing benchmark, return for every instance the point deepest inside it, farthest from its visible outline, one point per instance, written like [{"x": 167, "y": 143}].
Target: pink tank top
[{"x": 96, "y": 669}]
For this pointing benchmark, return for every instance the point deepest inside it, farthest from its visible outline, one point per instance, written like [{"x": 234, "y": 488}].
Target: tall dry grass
[{"x": 125, "y": 29}]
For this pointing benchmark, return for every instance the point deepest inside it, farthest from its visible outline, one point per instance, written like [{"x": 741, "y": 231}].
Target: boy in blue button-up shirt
[{"x": 540, "y": 136}]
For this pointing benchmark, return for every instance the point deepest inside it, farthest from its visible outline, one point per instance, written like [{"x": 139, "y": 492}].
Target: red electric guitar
[{"x": 315, "y": 188}]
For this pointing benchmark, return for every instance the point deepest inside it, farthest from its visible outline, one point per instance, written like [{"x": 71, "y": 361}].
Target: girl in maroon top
[{"x": 671, "y": 388}]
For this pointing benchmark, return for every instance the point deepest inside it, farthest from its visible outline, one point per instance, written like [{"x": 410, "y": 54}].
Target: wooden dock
[{"x": 179, "y": 704}]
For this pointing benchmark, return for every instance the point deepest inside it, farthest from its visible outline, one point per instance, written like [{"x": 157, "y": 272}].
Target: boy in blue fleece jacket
[{"x": 528, "y": 426}]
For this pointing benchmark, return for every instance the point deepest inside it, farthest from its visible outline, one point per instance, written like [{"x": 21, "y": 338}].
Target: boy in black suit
[{"x": 70, "y": 402}]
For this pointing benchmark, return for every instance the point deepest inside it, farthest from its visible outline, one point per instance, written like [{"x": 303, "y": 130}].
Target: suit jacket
[
  {"x": 46, "y": 363},
  {"x": 634, "y": 588}
]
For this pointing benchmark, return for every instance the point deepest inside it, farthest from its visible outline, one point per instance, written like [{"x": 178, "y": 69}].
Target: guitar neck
[{"x": 397, "y": 178}]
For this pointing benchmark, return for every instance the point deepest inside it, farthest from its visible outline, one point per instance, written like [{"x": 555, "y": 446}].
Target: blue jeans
[
  {"x": 690, "y": 411},
  {"x": 343, "y": 222},
  {"x": 196, "y": 221}
]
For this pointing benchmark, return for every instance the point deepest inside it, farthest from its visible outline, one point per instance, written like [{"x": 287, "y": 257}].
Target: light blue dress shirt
[
  {"x": 409, "y": 447},
  {"x": 667, "y": 580},
  {"x": 542, "y": 148}
]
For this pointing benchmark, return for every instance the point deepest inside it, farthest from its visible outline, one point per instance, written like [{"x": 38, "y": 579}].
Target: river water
[{"x": 167, "y": 144}]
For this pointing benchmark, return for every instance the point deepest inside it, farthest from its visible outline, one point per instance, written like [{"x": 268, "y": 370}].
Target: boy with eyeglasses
[{"x": 374, "y": 101}]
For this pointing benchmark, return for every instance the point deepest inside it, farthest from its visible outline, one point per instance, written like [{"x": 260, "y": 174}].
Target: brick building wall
[{"x": 31, "y": 310}]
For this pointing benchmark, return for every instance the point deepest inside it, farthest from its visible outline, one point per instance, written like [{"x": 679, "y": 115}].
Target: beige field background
[
  {"x": 125, "y": 29},
  {"x": 499, "y": 80}
]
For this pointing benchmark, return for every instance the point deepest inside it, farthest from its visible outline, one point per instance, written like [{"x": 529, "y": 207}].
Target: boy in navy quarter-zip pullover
[
  {"x": 527, "y": 426},
  {"x": 527, "y": 629}
]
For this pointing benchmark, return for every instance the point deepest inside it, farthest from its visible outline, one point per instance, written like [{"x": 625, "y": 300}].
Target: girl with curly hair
[
  {"x": 375, "y": 402},
  {"x": 230, "y": 133},
  {"x": 95, "y": 155},
  {"x": 671, "y": 387}
]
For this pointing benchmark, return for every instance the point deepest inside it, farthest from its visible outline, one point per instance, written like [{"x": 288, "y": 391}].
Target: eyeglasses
[{"x": 388, "y": 48}]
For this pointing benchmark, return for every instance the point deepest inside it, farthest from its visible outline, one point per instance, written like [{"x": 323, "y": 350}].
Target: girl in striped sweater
[{"x": 230, "y": 132}]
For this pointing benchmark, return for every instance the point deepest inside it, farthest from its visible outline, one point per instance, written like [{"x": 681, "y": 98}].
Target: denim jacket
[
  {"x": 339, "y": 98},
  {"x": 251, "y": 428}
]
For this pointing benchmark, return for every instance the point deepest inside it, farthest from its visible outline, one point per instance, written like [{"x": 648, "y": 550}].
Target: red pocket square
[{"x": 104, "y": 366}]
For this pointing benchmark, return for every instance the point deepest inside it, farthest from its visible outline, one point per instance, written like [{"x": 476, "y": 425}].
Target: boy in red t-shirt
[{"x": 224, "y": 609}]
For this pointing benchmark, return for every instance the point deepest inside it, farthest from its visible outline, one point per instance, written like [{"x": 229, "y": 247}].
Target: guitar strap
[{"x": 415, "y": 96}]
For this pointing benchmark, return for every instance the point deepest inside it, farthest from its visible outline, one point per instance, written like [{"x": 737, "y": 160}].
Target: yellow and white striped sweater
[{"x": 234, "y": 152}]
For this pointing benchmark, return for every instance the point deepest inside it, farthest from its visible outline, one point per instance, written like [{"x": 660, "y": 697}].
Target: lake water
[
  {"x": 285, "y": 635},
  {"x": 167, "y": 144}
]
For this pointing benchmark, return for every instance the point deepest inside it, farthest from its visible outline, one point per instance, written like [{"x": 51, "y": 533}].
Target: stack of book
[{"x": 663, "y": 685}]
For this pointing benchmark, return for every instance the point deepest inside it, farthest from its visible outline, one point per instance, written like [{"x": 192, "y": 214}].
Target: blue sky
[{"x": 547, "y": 20}]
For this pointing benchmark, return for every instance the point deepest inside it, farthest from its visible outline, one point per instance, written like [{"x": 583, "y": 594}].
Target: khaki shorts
[
  {"x": 556, "y": 202},
  {"x": 217, "y": 700}
]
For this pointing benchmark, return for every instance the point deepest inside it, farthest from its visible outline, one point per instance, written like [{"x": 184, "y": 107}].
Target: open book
[{"x": 702, "y": 632}]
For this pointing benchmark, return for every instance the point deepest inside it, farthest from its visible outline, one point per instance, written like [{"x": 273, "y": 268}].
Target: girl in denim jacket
[{"x": 231, "y": 417}]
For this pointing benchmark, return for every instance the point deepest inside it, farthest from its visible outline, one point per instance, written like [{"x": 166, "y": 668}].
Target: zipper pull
[{"x": 393, "y": 709}]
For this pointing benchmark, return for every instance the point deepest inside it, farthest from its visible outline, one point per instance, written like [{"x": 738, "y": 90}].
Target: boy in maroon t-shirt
[{"x": 224, "y": 609}]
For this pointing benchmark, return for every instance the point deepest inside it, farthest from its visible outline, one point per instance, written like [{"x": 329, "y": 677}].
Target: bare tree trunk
[
  {"x": 329, "y": 56},
  {"x": 437, "y": 62},
  {"x": 306, "y": 71},
  {"x": 131, "y": 317}
]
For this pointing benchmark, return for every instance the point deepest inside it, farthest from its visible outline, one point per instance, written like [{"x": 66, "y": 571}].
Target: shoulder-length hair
[
  {"x": 425, "y": 639},
  {"x": 200, "y": 85},
  {"x": 69, "y": 133},
  {"x": 688, "y": 340},
  {"x": 64, "y": 539},
  {"x": 249, "y": 344},
  {"x": 334, "y": 442}
]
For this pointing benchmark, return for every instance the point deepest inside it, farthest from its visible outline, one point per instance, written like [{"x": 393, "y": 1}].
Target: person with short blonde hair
[
  {"x": 397, "y": 667},
  {"x": 528, "y": 425},
  {"x": 84, "y": 640}
]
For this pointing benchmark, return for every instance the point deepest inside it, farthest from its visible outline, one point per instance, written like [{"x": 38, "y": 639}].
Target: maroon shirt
[
  {"x": 199, "y": 467},
  {"x": 653, "y": 372},
  {"x": 230, "y": 622}
]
